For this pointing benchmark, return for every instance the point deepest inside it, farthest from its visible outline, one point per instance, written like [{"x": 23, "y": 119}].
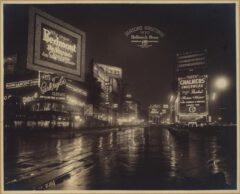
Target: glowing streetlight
[
  {"x": 214, "y": 96},
  {"x": 221, "y": 83},
  {"x": 171, "y": 98}
]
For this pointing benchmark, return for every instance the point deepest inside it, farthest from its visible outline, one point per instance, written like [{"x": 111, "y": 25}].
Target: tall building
[
  {"x": 192, "y": 92},
  {"x": 110, "y": 79}
]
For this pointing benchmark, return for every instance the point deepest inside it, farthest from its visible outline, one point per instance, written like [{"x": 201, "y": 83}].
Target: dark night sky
[{"x": 148, "y": 72}]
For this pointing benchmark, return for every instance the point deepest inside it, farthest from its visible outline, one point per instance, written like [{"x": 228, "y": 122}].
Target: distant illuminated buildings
[
  {"x": 159, "y": 114},
  {"x": 130, "y": 111}
]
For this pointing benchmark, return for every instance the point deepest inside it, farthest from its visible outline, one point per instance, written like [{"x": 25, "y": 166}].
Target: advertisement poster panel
[
  {"x": 55, "y": 46},
  {"x": 194, "y": 59},
  {"x": 193, "y": 94}
]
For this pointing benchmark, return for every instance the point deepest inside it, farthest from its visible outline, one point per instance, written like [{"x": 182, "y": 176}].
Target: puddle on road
[
  {"x": 54, "y": 164},
  {"x": 62, "y": 178},
  {"x": 25, "y": 165}
]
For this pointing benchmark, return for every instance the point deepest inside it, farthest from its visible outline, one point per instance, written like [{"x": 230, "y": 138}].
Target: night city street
[
  {"x": 134, "y": 158},
  {"x": 120, "y": 97}
]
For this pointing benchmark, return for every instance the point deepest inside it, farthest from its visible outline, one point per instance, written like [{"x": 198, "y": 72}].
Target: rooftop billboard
[{"x": 55, "y": 46}]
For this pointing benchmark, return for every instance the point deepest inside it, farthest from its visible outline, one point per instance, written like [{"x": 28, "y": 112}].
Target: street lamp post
[{"x": 171, "y": 102}]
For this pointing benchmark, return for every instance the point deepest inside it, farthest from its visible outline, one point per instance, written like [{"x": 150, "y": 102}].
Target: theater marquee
[{"x": 55, "y": 46}]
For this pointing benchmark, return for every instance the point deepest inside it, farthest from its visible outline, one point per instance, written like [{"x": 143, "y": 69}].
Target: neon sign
[{"x": 51, "y": 84}]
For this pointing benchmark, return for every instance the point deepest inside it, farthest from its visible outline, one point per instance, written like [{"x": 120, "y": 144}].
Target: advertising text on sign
[
  {"x": 55, "y": 46},
  {"x": 58, "y": 47},
  {"x": 51, "y": 84},
  {"x": 22, "y": 84},
  {"x": 144, "y": 36},
  {"x": 193, "y": 94}
]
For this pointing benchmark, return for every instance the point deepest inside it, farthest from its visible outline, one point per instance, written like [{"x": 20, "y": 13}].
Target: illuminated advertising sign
[
  {"x": 144, "y": 36},
  {"x": 76, "y": 89},
  {"x": 110, "y": 71},
  {"x": 10, "y": 63},
  {"x": 74, "y": 101},
  {"x": 22, "y": 84},
  {"x": 165, "y": 106},
  {"x": 193, "y": 94},
  {"x": 154, "y": 109},
  {"x": 108, "y": 77},
  {"x": 55, "y": 46},
  {"x": 27, "y": 99},
  {"x": 58, "y": 47},
  {"x": 51, "y": 85},
  {"x": 191, "y": 59}
]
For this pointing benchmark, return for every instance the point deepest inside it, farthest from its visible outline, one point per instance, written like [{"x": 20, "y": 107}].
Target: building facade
[
  {"x": 110, "y": 79},
  {"x": 49, "y": 101},
  {"x": 192, "y": 92}
]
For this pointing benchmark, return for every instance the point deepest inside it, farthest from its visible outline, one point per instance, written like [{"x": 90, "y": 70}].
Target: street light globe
[{"x": 221, "y": 83}]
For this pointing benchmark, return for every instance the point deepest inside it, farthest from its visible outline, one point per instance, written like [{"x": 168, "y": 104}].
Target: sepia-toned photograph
[{"x": 120, "y": 96}]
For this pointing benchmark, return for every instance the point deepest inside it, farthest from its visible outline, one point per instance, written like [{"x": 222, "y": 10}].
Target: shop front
[{"x": 54, "y": 102}]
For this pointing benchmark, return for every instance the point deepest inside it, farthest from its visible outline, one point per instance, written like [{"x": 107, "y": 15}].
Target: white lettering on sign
[
  {"x": 193, "y": 94},
  {"x": 49, "y": 38},
  {"x": 27, "y": 99},
  {"x": 54, "y": 84},
  {"x": 76, "y": 89},
  {"x": 58, "y": 47},
  {"x": 53, "y": 97},
  {"x": 192, "y": 81},
  {"x": 22, "y": 84},
  {"x": 144, "y": 36}
]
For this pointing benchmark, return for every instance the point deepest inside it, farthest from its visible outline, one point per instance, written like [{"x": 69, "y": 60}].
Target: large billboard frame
[
  {"x": 35, "y": 62},
  {"x": 196, "y": 115}
]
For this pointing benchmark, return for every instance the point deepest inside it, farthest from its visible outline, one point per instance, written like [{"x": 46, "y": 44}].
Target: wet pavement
[{"x": 134, "y": 158}]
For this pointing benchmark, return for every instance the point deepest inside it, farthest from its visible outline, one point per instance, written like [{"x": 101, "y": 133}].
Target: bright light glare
[
  {"x": 214, "y": 96},
  {"x": 77, "y": 117},
  {"x": 221, "y": 83}
]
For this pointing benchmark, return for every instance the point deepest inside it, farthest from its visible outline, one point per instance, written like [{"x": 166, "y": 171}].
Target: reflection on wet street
[{"x": 136, "y": 158}]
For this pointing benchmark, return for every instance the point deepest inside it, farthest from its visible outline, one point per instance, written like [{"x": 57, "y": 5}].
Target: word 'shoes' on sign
[
  {"x": 55, "y": 46},
  {"x": 144, "y": 36}
]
